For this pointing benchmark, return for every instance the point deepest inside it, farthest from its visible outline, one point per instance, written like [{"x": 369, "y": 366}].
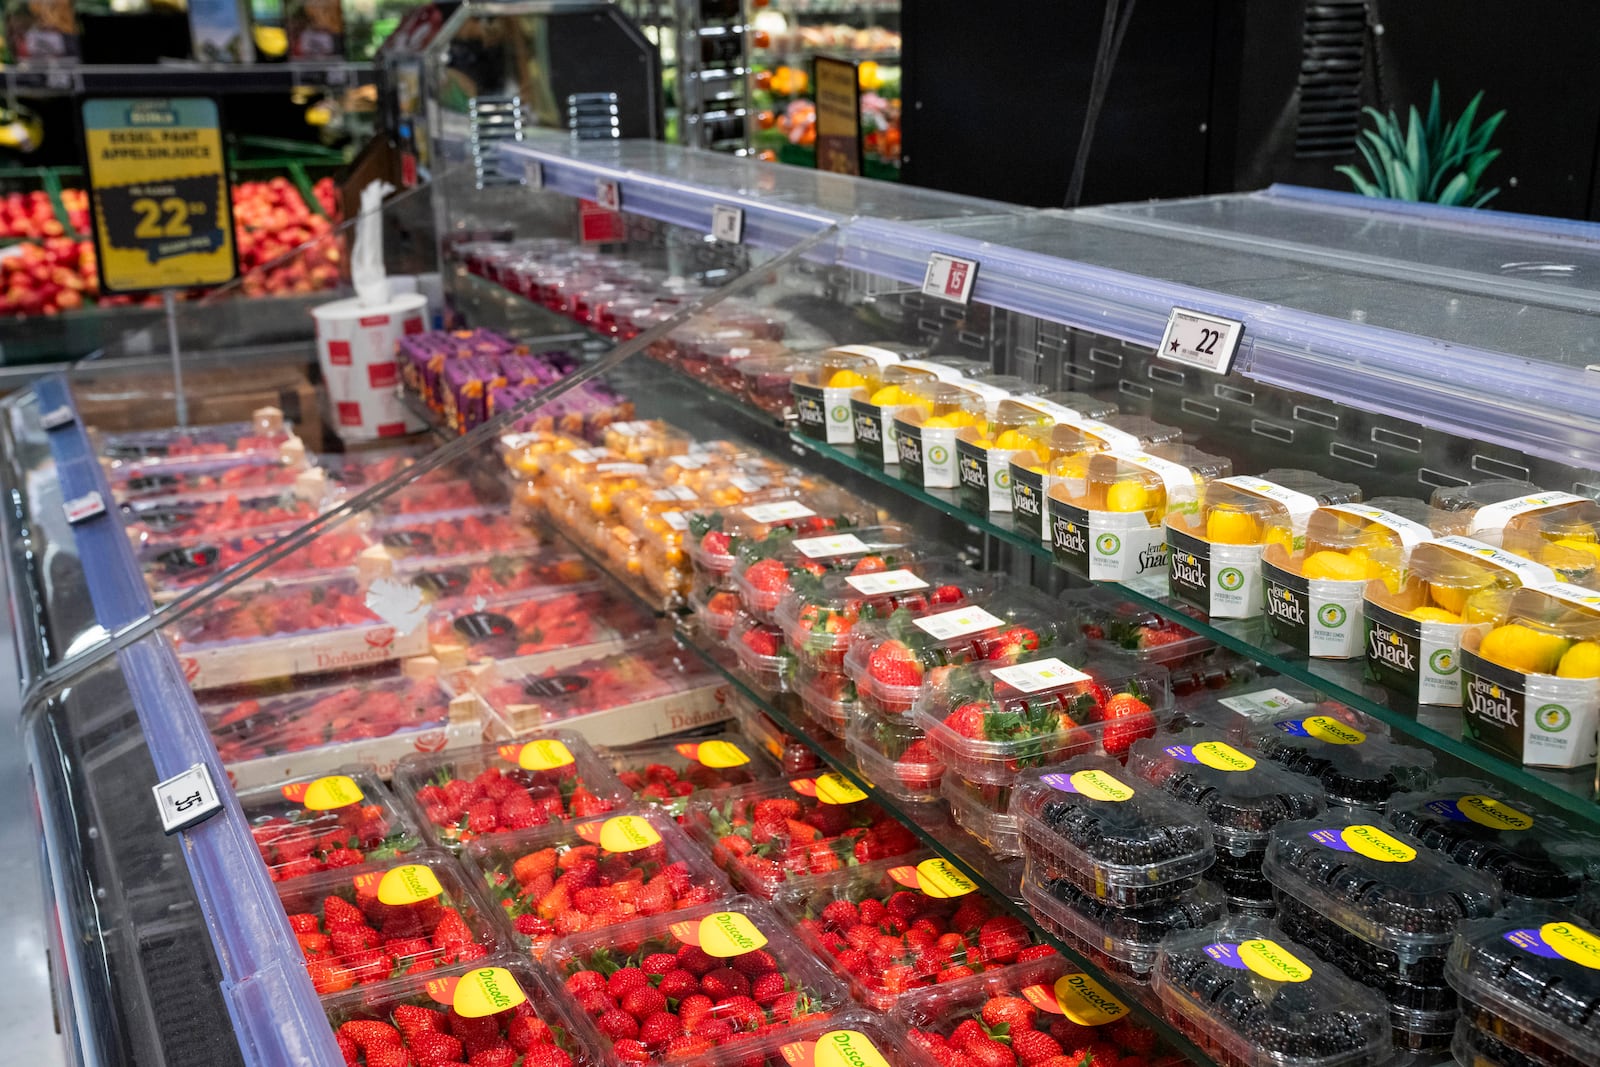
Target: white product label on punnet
[
  {"x": 885, "y": 582},
  {"x": 585, "y": 455},
  {"x": 1040, "y": 674},
  {"x": 675, "y": 520},
  {"x": 779, "y": 512},
  {"x": 1575, "y": 595},
  {"x": 621, "y": 468},
  {"x": 957, "y": 623},
  {"x": 1298, "y": 505},
  {"x": 689, "y": 461},
  {"x": 881, "y": 356},
  {"x": 1410, "y": 533},
  {"x": 632, "y": 428},
  {"x": 827, "y": 547},
  {"x": 746, "y": 484},
  {"x": 936, "y": 371},
  {"x": 1528, "y": 572},
  {"x": 673, "y": 492},
  {"x": 1175, "y": 477},
  {"x": 1492, "y": 518},
  {"x": 1262, "y": 702}
]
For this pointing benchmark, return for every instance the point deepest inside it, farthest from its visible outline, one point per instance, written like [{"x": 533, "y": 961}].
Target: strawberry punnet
[
  {"x": 362, "y": 825},
  {"x": 668, "y": 775},
  {"x": 256, "y": 727}
]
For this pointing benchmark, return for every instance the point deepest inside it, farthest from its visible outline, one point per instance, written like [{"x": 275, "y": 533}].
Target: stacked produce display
[{"x": 934, "y": 774}]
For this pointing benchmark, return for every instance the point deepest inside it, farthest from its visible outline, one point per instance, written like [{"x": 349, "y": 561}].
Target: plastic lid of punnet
[
  {"x": 1155, "y": 481},
  {"x": 1247, "y": 509},
  {"x": 1060, "y": 447},
  {"x": 1537, "y": 974},
  {"x": 1351, "y": 754},
  {"x": 1267, "y": 1001},
  {"x": 1380, "y": 884}
]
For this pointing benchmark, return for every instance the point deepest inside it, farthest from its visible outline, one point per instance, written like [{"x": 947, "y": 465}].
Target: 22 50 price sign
[{"x": 159, "y": 184}]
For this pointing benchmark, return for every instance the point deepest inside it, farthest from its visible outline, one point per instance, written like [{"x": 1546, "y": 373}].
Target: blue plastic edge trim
[
  {"x": 1463, "y": 216},
  {"x": 247, "y": 923}
]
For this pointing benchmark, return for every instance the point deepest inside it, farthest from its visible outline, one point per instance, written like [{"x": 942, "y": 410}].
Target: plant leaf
[
  {"x": 1416, "y": 151},
  {"x": 1433, "y": 126},
  {"x": 1455, "y": 191},
  {"x": 1486, "y": 197},
  {"x": 1364, "y": 187},
  {"x": 1379, "y": 182}
]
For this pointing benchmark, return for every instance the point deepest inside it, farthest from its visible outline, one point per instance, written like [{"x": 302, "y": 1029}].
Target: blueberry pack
[
  {"x": 1113, "y": 836},
  {"x": 1242, "y": 796},
  {"x": 1529, "y": 981},
  {"x": 1358, "y": 766},
  {"x": 1383, "y": 906},
  {"x": 1250, "y": 997},
  {"x": 1533, "y": 854}
]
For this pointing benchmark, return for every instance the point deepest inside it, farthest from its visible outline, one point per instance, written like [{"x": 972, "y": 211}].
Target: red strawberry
[
  {"x": 987, "y": 1052},
  {"x": 659, "y": 963},
  {"x": 693, "y": 1009},
  {"x": 617, "y": 1025},
  {"x": 429, "y": 1048},
  {"x": 1132, "y": 1037},
  {"x": 304, "y": 923},
  {"x": 1033, "y": 1047},
  {"x": 630, "y": 1050},
  {"x": 388, "y": 1056},
  {"x": 892, "y": 663},
  {"x": 581, "y": 982},
  {"x": 337, "y": 911},
  {"x": 1001, "y": 938},
  {"x": 755, "y": 963},
  {"x": 659, "y": 1028},
  {"x": 767, "y": 575},
  {"x": 624, "y": 981},
  {"x": 967, "y": 1030},
  {"x": 547, "y": 1056},
  {"x": 715, "y": 543},
  {"x": 369, "y": 1034},
  {"x": 696, "y": 960},
  {"x": 1127, "y": 719},
  {"x": 642, "y": 1003},
  {"x": 1035, "y": 952},
  {"x": 452, "y": 932},
  {"x": 1009, "y": 1011},
  {"x": 969, "y": 720},
  {"x": 495, "y": 1056},
  {"x": 678, "y": 983},
  {"x": 414, "y": 1019},
  {"x": 762, "y": 640},
  {"x": 725, "y": 982},
  {"x": 688, "y": 1044},
  {"x": 767, "y": 988},
  {"x": 347, "y": 1049},
  {"x": 526, "y": 1031},
  {"x": 329, "y": 977}
]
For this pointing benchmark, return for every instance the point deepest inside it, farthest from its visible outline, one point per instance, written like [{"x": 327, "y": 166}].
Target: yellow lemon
[
  {"x": 1334, "y": 566},
  {"x": 1011, "y": 440},
  {"x": 1451, "y": 598},
  {"x": 1582, "y": 660},
  {"x": 1487, "y": 605},
  {"x": 1229, "y": 527},
  {"x": 1282, "y": 537},
  {"x": 1523, "y": 648},
  {"x": 846, "y": 379},
  {"x": 941, "y": 422},
  {"x": 982, "y": 442},
  {"x": 1126, "y": 495},
  {"x": 1427, "y": 614},
  {"x": 890, "y": 395}
]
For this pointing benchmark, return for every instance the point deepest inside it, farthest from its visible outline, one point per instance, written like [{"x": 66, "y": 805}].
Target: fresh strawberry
[
  {"x": 328, "y": 977},
  {"x": 413, "y": 1019},
  {"x": 892, "y": 663},
  {"x": 337, "y": 911},
  {"x": 659, "y": 1028},
  {"x": 1008, "y": 1011},
  {"x": 1127, "y": 719},
  {"x": 762, "y": 640},
  {"x": 767, "y": 575},
  {"x": 430, "y": 1048},
  {"x": 502, "y": 1055},
  {"x": 617, "y": 1025},
  {"x": 987, "y": 1052},
  {"x": 1033, "y": 1047}
]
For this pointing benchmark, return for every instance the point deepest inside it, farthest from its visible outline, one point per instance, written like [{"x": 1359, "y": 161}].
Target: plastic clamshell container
[
  {"x": 463, "y": 996},
  {"x": 1313, "y": 594},
  {"x": 403, "y": 905},
  {"x": 249, "y": 474},
  {"x": 360, "y": 470},
  {"x": 793, "y": 756},
  {"x": 1112, "y": 835},
  {"x": 1533, "y": 682},
  {"x": 313, "y": 824},
  {"x": 985, "y": 453},
  {"x": 455, "y": 537},
  {"x": 170, "y": 569},
  {"x": 1250, "y": 997},
  {"x": 374, "y": 722},
  {"x": 766, "y": 572},
  {"x": 537, "y": 878},
  {"x": 666, "y": 774},
  {"x": 764, "y": 383},
  {"x": 1216, "y": 551},
  {"x": 1057, "y": 454},
  {"x": 639, "y": 440},
  {"x": 495, "y": 578},
  {"x": 1531, "y": 980},
  {"x": 1110, "y": 526},
  {"x": 894, "y": 755},
  {"x": 758, "y": 647},
  {"x": 891, "y": 658},
  {"x": 722, "y": 932},
  {"x": 1384, "y": 887},
  {"x": 1454, "y": 585},
  {"x": 874, "y": 411},
  {"x": 526, "y": 455},
  {"x": 743, "y": 829},
  {"x": 854, "y": 1037},
  {"x": 184, "y": 447},
  {"x": 828, "y": 697},
  {"x": 1350, "y": 754},
  {"x": 1124, "y": 941},
  {"x": 822, "y": 392},
  {"x": 539, "y": 628},
  {"x": 1533, "y": 853},
  {"x": 982, "y": 809},
  {"x": 1242, "y": 795},
  {"x": 1489, "y": 510},
  {"x": 557, "y": 771},
  {"x": 646, "y": 691},
  {"x": 1114, "y": 625},
  {"x": 920, "y": 885},
  {"x": 163, "y": 522},
  {"x": 817, "y": 620},
  {"x": 927, "y": 429},
  {"x": 989, "y": 723},
  {"x": 1067, "y": 1003},
  {"x": 716, "y": 536}
]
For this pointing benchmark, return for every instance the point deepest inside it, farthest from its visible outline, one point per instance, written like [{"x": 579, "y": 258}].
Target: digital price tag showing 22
[{"x": 158, "y": 178}]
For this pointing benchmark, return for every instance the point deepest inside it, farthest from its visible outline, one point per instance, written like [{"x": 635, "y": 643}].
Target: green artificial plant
[{"x": 1428, "y": 159}]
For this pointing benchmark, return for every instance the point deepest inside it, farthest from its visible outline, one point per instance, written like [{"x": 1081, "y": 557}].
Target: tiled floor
[{"x": 26, "y": 1018}]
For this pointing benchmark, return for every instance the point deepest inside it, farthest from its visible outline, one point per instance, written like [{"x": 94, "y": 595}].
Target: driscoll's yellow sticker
[
  {"x": 324, "y": 794},
  {"x": 1218, "y": 755},
  {"x": 830, "y": 788},
  {"x": 724, "y": 934},
  {"x": 620, "y": 833},
  {"x": 846, "y": 1048},
  {"x": 1331, "y": 730},
  {"x": 404, "y": 885},
  {"x": 1086, "y": 1002},
  {"x": 1263, "y": 956},
  {"x": 935, "y": 878},
  {"x": 1366, "y": 840},
  {"x": 543, "y": 755},
  {"x": 1485, "y": 811},
  {"x": 1562, "y": 940},
  {"x": 488, "y": 991},
  {"x": 714, "y": 754}
]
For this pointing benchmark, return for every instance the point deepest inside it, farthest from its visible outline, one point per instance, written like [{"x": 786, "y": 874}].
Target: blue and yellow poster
[{"x": 158, "y": 176}]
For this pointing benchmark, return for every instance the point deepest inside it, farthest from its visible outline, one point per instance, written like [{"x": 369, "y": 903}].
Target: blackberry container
[{"x": 1357, "y": 765}]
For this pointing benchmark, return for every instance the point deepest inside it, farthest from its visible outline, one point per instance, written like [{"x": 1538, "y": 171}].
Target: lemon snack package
[
  {"x": 1565, "y": 538},
  {"x": 1532, "y": 683},
  {"x": 1453, "y": 585},
  {"x": 984, "y": 457},
  {"x": 926, "y": 429},
  {"x": 873, "y": 412},
  {"x": 1110, "y": 528},
  {"x": 1314, "y": 592},
  {"x": 1215, "y": 551},
  {"x": 822, "y": 393},
  {"x": 1060, "y": 453}
]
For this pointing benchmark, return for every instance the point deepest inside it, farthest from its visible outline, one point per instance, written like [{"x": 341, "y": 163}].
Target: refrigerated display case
[{"x": 1402, "y": 372}]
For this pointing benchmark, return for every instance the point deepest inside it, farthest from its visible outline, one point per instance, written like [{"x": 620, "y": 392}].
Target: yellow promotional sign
[{"x": 159, "y": 181}]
